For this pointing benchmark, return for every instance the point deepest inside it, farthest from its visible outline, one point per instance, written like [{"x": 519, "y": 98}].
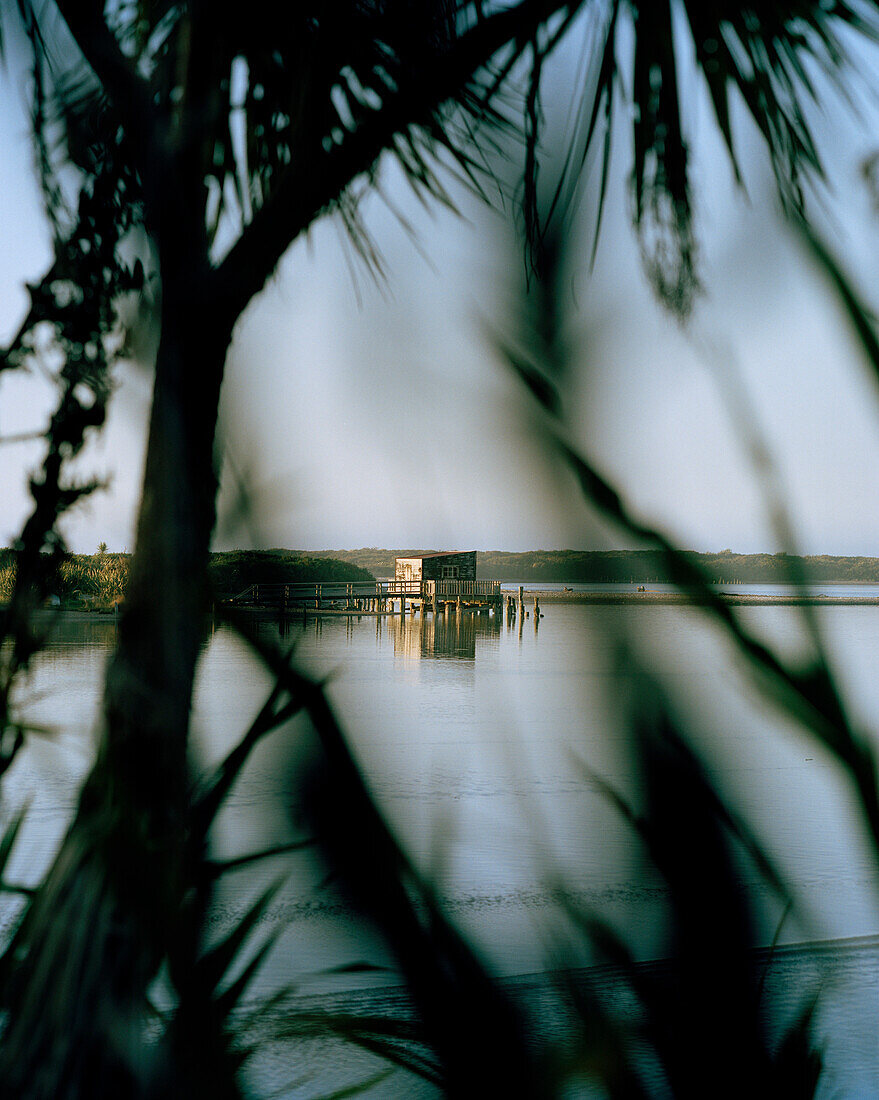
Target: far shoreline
[
  {"x": 543, "y": 597},
  {"x": 695, "y": 599}
]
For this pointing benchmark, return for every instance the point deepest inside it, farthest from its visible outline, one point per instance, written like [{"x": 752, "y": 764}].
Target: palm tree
[{"x": 207, "y": 139}]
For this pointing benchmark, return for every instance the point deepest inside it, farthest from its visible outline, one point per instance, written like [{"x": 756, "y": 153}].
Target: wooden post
[{"x": 521, "y": 601}]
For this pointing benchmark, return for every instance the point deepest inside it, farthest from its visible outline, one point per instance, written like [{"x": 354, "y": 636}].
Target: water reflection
[
  {"x": 450, "y": 634},
  {"x": 78, "y": 630},
  {"x": 476, "y": 764}
]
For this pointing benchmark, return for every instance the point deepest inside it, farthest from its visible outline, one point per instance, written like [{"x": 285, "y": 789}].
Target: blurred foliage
[{"x": 181, "y": 148}]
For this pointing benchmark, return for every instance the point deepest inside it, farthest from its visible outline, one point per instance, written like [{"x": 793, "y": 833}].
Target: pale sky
[{"x": 367, "y": 415}]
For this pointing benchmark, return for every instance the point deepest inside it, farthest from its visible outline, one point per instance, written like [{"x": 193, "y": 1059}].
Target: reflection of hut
[
  {"x": 442, "y": 636},
  {"x": 453, "y": 565}
]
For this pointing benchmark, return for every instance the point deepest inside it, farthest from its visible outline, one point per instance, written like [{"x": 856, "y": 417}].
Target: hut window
[{"x": 450, "y": 572}]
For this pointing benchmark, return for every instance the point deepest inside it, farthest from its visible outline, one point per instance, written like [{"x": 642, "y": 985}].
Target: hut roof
[{"x": 439, "y": 554}]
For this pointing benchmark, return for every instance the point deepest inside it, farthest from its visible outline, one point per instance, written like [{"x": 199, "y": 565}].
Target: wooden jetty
[{"x": 380, "y": 597}]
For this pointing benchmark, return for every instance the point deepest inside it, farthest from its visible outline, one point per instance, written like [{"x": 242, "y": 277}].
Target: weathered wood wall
[
  {"x": 465, "y": 563},
  {"x": 437, "y": 567}
]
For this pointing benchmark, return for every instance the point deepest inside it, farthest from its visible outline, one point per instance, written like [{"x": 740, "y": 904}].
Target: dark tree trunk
[{"x": 107, "y": 914}]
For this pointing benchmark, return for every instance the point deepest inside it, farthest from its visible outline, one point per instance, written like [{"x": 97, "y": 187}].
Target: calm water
[
  {"x": 478, "y": 740},
  {"x": 760, "y": 589}
]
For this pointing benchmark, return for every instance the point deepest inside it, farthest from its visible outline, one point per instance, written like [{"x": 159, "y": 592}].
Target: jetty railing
[
  {"x": 467, "y": 588},
  {"x": 323, "y": 592}
]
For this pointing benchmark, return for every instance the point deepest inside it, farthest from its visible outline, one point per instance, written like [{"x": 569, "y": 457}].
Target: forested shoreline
[
  {"x": 99, "y": 580},
  {"x": 642, "y": 566}
]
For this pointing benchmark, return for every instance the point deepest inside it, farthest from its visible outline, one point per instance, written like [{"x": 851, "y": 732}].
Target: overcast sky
[{"x": 359, "y": 413}]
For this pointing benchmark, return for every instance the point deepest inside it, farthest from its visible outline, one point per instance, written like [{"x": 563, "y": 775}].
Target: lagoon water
[
  {"x": 762, "y": 589},
  {"x": 480, "y": 741}
]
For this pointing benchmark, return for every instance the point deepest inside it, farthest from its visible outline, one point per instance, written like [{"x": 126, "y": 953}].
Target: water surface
[{"x": 480, "y": 740}]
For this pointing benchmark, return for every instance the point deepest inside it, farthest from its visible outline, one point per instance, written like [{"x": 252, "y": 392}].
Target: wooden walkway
[{"x": 386, "y": 597}]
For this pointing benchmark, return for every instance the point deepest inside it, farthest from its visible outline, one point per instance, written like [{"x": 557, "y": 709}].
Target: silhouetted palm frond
[{"x": 770, "y": 61}]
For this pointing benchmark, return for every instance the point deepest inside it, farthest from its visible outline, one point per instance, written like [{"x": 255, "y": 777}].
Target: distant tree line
[
  {"x": 100, "y": 578},
  {"x": 234, "y": 570},
  {"x": 643, "y": 566},
  {"x": 98, "y": 581}
]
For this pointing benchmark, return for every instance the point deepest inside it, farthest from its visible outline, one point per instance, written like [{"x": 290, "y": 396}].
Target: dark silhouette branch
[
  {"x": 308, "y": 189},
  {"x": 116, "y": 73}
]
